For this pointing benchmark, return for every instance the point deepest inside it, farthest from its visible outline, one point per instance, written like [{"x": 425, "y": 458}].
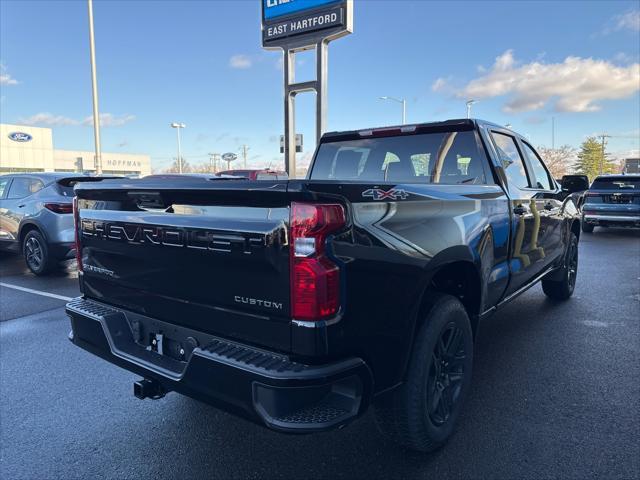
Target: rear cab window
[
  {"x": 623, "y": 184},
  {"x": 450, "y": 157}
]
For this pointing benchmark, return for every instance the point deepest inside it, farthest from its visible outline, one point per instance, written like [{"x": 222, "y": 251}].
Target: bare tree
[
  {"x": 560, "y": 161},
  {"x": 175, "y": 168},
  {"x": 203, "y": 168}
]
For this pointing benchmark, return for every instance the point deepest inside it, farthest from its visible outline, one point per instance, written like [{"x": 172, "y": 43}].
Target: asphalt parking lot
[{"x": 556, "y": 393}]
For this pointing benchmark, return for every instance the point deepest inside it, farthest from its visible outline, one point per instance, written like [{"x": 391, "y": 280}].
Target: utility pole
[
  {"x": 213, "y": 160},
  {"x": 94, "y": 87},
  {"x": 604, "y": 136},
  {"x": 245, "y": 150}
]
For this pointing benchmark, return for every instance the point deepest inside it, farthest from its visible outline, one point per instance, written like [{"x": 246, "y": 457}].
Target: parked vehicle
[
  {"x": 260, "y": 174},
  {"x": 612, "y": 201},
  {"x": 300, "y": 304},
  {"x": 36, "y": 217}
]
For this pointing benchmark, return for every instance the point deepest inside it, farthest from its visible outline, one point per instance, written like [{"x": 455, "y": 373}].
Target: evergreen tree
[{"x": 593, "y": 160}]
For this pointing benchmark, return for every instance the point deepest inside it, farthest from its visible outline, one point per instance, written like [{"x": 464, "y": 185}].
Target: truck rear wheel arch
[{"x": 459, "y": 278}]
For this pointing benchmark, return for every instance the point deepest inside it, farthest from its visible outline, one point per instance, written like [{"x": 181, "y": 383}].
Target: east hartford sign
[{"x": 288, "y": 22}]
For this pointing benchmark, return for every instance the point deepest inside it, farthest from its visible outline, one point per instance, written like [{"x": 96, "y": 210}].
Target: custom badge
[{"x": 379, "y": 194}]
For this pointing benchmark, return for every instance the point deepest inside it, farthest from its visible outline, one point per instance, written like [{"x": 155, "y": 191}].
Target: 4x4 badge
[{"x": 379, "y": 194}]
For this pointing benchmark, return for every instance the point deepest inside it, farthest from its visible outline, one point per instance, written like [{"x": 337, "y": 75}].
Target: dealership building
[{"x": 30, "y": 149}]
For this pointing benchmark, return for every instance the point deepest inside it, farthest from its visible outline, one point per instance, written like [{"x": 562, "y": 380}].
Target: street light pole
[
  {"x": 94, "y": 87},
  {"x": 178, "y": 126},
  {"x": 244, "y": 149},
  {"x": 404, "y": 106},
  {"x": 469, "y": 103}
]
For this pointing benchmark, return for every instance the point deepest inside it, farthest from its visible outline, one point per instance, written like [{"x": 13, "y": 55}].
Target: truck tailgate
[{"x": 208, "y": 255}]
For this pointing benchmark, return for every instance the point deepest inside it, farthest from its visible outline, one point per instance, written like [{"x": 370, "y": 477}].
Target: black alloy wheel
[
  {"x": 572, "y": 266},
  {"x": 421, "y": 413},
  {"x": 446, "y": 374},
  {"x": 561, "y": 284}
]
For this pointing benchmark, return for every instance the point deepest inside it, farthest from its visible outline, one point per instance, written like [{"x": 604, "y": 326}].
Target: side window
[
  {"x": 4, "y": 181},
  {"x": 24, "y": 186},
  {"x": 539, "y": 172},
  {"x": 35, "y": 185},
  {"x": 511, "y": 160}
]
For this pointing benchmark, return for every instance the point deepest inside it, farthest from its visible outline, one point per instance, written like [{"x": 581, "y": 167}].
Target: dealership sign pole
[{"x": 295, "y": 26}]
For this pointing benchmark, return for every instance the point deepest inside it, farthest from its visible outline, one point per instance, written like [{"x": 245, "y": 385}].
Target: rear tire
[
  {"x": 587, "y": 227},
  {"x": 421, "y": 414},
  {"x": 563, "y": 289},
  {"x": 36, "y": 253}
]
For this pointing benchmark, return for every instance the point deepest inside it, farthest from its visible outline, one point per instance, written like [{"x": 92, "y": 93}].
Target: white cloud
[
  {"x": 51, "y": 120},
  {"x": 240, "y": 61},
  {"x": 439, "y": 85},
  {"x": 109, "y": 120},
  {"x": 48, "y": 119},
  {"x": 628, "y": 21},
  {"x": 5, "y": 78},
  {"x": 575, "y": 84}
]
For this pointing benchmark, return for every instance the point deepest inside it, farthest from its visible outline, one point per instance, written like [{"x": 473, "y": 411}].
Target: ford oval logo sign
[{"x": 20, "y": 137}]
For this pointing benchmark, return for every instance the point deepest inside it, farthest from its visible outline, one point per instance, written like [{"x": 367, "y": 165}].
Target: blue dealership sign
[
  {"x": 278, "y": 8},
  {"x": 292, "y": 23},
  {"x": 20, "y": 137}
]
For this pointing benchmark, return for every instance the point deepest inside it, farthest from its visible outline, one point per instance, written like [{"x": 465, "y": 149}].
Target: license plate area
[
  {"x": 620, "y": 199},
  {"x": 173, "y": 348},
  {"x": 164, "y": 339}
]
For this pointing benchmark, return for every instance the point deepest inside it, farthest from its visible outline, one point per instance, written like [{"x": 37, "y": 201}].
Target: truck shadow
[{"x": 359, "y": 451}]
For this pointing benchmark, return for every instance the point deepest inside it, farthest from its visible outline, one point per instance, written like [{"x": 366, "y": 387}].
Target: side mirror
[{"x": 571, "y": 184}]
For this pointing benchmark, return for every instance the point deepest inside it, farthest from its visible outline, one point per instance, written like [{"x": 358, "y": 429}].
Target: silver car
[{"x": 36, "y": 217}]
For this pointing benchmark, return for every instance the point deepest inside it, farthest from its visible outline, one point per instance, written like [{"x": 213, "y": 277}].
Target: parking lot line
[{"x": 36, "y": 292}]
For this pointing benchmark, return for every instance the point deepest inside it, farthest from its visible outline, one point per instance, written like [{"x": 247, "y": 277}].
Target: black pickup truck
[{"x": 299, "y": 304}]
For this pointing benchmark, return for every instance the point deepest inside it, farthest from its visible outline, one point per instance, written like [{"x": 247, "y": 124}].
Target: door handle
[
  {"x": 520, "y": 210},
  {"x": 21, "y": 206}
]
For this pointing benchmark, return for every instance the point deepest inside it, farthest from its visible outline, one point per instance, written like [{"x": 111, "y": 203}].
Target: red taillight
[
  {"x": 315, "y": 279},
  {"x": 59, "y": 207},
  {"x": 76, "y": 225}
]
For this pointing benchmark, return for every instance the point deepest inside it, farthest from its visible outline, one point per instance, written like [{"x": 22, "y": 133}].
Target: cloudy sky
[{"x": 200, "y": 63}]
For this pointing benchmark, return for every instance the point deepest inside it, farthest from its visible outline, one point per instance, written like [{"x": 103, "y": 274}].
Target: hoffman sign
[{"x": 304, "y": 21}]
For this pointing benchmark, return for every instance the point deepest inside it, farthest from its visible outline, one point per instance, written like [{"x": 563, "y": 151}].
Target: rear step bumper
[{"x": 262, "y": 386}]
